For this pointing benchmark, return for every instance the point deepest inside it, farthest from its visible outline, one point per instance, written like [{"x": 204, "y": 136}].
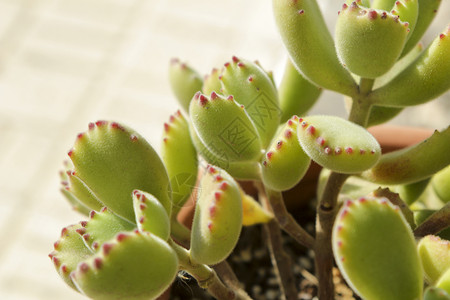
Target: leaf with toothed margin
[
  {"x": 218, "y": 217},
  {"x": 310, "y": 45},
  {"x": 225, "y": 128},
  {"x": 414, "y": 163},
  {"x": 76, "y": 191},
  {"x": 297, "y": 95},
  {"x": 375, "y": 250},
  {"x": 180, "y": 158},
  {"x": 426, "y": 14},
  {"x": 82, "y": 192},
  {"x": 77, "y": 205},
  {"x": 434, "y": 293},
  {"x": 211, "y": 83},
  {"x": 435, "y": 255},
  {"x": 185, "y": 82},
  {"x": 151, "y": 215},
  {"x": 252, "y": 87},
  {"x": 440, "y": 183},
  {"x": 134, "y": 265},
  {"x": 69, "y": 250},
  {"x": 113, "y": 160},
  {"x": 423, "y": 80},
  {"x": 338, "y": 144},
  {"x": 444, "y": 281},
  {"x": 285, "y": 162},
  {"x": 241, "y": 170},
  {"x": 369, "y": 42},
  {"x": 102, "y": 226},
  {"x": 407, "y": 11}
]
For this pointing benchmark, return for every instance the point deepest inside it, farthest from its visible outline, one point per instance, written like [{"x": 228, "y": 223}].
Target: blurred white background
[{"x": 64, "y": 63}]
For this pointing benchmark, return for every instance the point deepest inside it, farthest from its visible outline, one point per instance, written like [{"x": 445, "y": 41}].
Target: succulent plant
[{"x": 382, "y": 218}]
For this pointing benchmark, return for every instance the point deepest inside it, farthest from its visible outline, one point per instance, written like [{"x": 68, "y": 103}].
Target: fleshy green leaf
[
  {"x": 102, "y": 226},
  {"x": 70, "y": 250},
  {"x": 133, "y": 265},
  {"x": 297, "y": 95},
  {"x": 180, "y": 158},
  {"x": 369, "y": 42},
  {"x": 423, "y": 80},
  {"x": 113, "y": 160},
  {"x": 225, "y": 128},
  {"x": 151, "y": 215},
  {"x": 218, "y": 217},
  {"x": 435, "y": 255},
  {"x": 310, "y": 45},
  {"x": 338, "y": 144},
  {"x": 375, "y": 250},
  {"x": 185, "y": 82},
  {"x": 285, "y": 162},
  {"x": 414, "y": 163},
  {"x": 441, "y": 184},
  {"x": 251, "y": 87}
]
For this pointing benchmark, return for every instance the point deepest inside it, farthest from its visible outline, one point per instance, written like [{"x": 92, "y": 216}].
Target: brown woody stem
[
  {"x": 286, "y": 221},
  {"x": 326, "y": 213},
  {"x": 435, "y": 223}
]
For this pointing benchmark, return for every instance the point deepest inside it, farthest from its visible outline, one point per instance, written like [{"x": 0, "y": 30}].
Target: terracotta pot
[{"x": 397, "y": 137}]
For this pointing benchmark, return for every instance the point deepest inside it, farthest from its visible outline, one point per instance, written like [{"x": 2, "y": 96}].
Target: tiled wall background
[{"x": 64, "y": 63}]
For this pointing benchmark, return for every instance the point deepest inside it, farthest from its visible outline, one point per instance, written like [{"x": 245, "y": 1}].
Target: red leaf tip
[
  {"x": 203, "y": 100},
  {"x": 214, "y": 96}
]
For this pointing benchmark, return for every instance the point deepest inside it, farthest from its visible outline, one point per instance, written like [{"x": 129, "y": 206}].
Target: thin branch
[
  {"x": 435, "y": 223},
  {"x": 285, "y": 219},
  {"x": 326, "y": 213},
  {"x": 228, "y": 276},
  {"x": 280, "y": 260}
]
